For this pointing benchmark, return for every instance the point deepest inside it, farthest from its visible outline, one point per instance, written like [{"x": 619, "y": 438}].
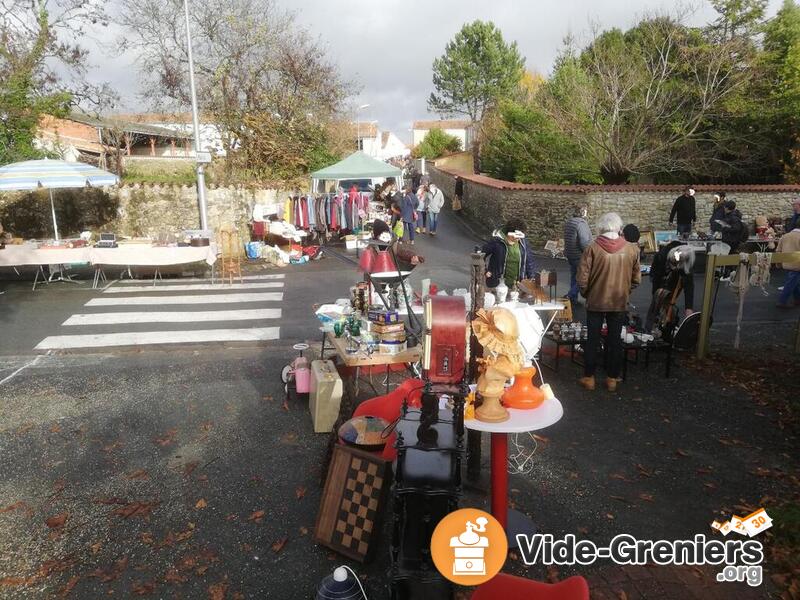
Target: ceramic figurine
[{"x": 496, "y": 330}]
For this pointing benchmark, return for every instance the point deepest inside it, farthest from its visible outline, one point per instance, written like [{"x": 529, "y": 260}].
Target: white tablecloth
[
  {"x": 26, "y": 255},
  {"x": 151, "y": 256},
  {"x": 126, "y": 255}
]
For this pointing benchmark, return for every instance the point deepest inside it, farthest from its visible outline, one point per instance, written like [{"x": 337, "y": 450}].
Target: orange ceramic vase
[{"x": 523, "y": 394}]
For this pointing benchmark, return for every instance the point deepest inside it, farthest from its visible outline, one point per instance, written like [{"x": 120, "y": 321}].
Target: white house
[
  {"x": 382, "y": 145},
  {"x": 462, "y": 129}
]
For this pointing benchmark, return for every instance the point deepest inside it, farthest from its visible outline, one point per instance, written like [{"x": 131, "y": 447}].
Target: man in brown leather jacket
[{"x": 608, "y": 271}]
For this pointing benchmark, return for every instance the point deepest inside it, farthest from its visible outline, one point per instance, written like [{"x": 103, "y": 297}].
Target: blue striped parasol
[{"x": 53, "y": 174}]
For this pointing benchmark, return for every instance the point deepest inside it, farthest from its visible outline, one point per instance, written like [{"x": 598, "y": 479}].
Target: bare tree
[
  {"x": 640, "y": 102},
  {"x": 266, "y": 82},
  {"x": 41, "y": 40}
]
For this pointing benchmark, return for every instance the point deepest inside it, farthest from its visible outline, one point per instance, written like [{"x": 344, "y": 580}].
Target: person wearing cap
[
  {"x": 718, "y": 212},
  {"x": 794, "y": 221},
  {"x": 683, "y": 211},
  {"x": 609, "y": 270},
  {"x": 508, "y": 256}
]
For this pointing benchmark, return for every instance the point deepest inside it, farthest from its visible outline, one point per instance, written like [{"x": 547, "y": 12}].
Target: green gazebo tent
[{"x": 357, "y": 166}]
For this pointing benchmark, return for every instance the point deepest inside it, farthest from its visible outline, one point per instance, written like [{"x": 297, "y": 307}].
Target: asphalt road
[{"x": 176, "y": 471}]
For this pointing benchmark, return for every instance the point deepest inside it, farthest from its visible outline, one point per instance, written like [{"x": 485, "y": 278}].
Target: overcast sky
[{"x": 388, "y": 46}]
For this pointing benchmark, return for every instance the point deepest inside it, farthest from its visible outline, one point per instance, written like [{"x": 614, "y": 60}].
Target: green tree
[
  {"x": 436, "y": 143},
  {"x": 42, "y": 67},
  {"x": 781, "y": 63},
  {"x": 477, "y": 68},
  {"x": 524, "y": 145}
]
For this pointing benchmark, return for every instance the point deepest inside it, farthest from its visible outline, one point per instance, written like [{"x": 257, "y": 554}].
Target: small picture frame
[
  {"x": 665, "y": 236},
  {"x": 648, "y": 241}
]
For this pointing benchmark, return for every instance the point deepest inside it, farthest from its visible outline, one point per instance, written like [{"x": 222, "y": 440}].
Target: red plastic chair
[
  {"x": 388, "y": 407},
  {"x": 509, "y": 587}
]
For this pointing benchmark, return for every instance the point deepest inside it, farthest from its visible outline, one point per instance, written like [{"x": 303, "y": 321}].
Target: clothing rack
[{"x": 325, "y": 213}]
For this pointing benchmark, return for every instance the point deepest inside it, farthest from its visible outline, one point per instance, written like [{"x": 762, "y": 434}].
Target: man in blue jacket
[
  {"x": 577, "y": 237},
  {"x": 508, "y": 256}
]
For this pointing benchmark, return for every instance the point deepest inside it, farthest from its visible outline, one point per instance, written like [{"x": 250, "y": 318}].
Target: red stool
[
  {"x": 388, "y": 407},
  {"x": 509, "y": 587}
]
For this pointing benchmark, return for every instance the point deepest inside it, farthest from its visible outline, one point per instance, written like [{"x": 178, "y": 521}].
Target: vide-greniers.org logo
[{"x": 742, "y": 558}]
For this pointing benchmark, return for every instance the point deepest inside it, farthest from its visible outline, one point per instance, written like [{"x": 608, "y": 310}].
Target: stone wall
[
  {"x": 136, "y": 210},
  {"x": 490, "y": 202}
]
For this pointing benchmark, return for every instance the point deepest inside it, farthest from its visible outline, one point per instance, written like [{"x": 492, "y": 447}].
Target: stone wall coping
[{"x": 499, "y": 184}]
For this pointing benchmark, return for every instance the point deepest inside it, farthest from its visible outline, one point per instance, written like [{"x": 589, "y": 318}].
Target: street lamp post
[
  {"x": 201, "y": 177},
  {"x": 358, "y": 125}
]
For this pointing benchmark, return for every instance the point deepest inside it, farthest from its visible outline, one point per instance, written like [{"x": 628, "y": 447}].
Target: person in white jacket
[{"x": 435, "y": 204}]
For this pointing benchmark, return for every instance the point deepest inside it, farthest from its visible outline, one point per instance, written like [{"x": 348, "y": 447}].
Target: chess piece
[{"x": 497, "y": 332}]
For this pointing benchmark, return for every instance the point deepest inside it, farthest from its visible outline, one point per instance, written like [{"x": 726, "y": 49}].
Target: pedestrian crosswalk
[{"x": 187, "y": 311}]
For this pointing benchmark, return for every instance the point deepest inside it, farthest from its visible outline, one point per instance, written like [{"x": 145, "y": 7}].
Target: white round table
[{"x": 519, "y": 421}]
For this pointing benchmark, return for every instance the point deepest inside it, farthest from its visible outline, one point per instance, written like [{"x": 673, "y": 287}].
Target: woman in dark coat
[{"x": 508, "y": 255}]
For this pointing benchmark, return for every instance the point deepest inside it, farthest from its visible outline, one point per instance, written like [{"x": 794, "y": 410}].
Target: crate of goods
[
  {"x": 325, "y": 396},
  {"x": 350, "y": 242},
  {"x": 381, "y": 328},
  {"x": 392, "y": 347}
]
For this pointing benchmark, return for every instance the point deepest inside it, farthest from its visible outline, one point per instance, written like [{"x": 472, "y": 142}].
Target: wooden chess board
[{"x": 352, "y": 502}]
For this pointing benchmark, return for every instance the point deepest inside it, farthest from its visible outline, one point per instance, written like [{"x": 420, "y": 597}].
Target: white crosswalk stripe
[
  {"x": 186, "y": 311},
  {"x": 200, "y": 287},
  {"x": 167, "y": 282},
  {"x": 140, "y": 338},
  {"x": 173, "y": 317},
  {"x": 188, "y": 299}
]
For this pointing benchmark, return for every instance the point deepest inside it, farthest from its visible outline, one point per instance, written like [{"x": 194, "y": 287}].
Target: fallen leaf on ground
[
  {"x": 646, "y": 497},
  {"x": 540, "y": 438},
  {"x": 232, "y": 517},
  {"x": 681, "y": 453},
  {"x": 167, "y": 438},
  {"x": 256, "y": 516},
  {"x": 56, "y": 428},
  {"x": 173, "y": 576},
  {"x": 25, "y": 427},
  {"x": 268, "y": 398},
  {"x": 620, "y": 499},
  {"x": 300, "y": 492},
  {"x": 206, "y": 425},
  {"x": 619, "y": 476},
  {"x": 69, "y": 586},
  {"x": 189, "y": 468},
  {"x": 111, "y": 573},
  {"x": 278, "y": 545},
  {"x": 285, "y": 405},
  {"x": 290, "y": 437},
  {"x": 14, "y": 581},
  {"x": 111, "y": 447},
  {"x": 144, "y": 588},
  {"x": 200, "y": 504},
  {"x": 304, "y": 531},
  {"x": 621, "y": 595},
  {"x": 609, "y": 516},
  {"x": 643, "y": 471},
  {"x": 95, "y": 548},
  {"x": 146, "y": 537},
  {"x": 57, "y": 521},
  {"x": 583, "y": 530},
  {"x": 185, "y": 534},
  {"x": 135, "y": 509},
  {"x": 200, "y": 571},
  {"x": 216, "y": 591},
  {"x": 704, "y": 471},
  {"x": 19, "y": 505}
]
